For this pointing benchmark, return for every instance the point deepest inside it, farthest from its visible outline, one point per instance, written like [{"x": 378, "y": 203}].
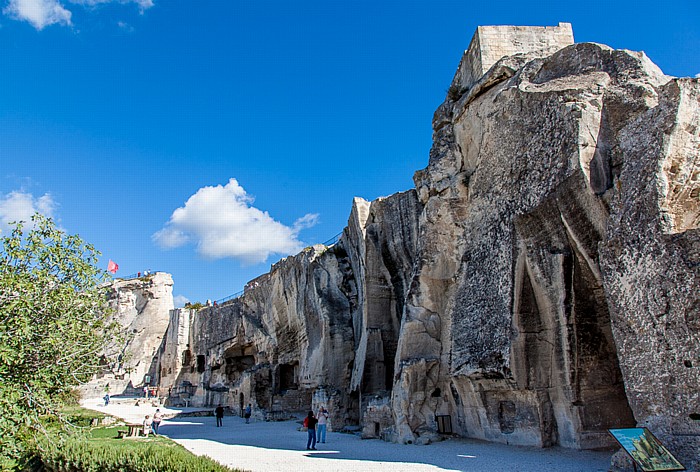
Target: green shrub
[{"x": 117, "y": 455}]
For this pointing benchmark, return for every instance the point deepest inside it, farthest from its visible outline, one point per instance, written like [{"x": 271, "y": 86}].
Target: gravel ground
[{"x": 280, "y": 446}]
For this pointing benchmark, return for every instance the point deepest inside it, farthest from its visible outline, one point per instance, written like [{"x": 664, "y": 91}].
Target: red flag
[{"x": 112, "y": 267}]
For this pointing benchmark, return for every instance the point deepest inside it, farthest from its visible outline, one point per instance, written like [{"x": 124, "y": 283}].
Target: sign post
[{"x": 645, "y": 450}]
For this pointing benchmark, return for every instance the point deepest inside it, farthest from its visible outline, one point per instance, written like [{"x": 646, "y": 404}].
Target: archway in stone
[
  {"x": 597, "y": 388},
  {"x": 564, "y": 354}
]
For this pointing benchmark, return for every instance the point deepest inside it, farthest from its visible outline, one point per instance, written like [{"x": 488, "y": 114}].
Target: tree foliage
[{"x": 54, "y": 323}]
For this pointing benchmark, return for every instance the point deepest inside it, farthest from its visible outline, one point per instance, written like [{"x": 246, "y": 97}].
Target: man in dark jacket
[{"x": 219, "y": 415}]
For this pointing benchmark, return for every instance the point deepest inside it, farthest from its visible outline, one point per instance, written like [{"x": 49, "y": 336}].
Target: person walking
[
  {"x": 157, "y": 418},
  {"x": 106, "y": 399},
  {"x": 219, "y": 415},
  {"x": 310, "y": 423},
  {"x": 321, "y": 427},
  {"x": 147, "y": 422},
  {"x": 248, "y": 412}
]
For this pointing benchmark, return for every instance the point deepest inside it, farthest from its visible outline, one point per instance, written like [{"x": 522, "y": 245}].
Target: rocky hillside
[{"x": 537, "y": 287}]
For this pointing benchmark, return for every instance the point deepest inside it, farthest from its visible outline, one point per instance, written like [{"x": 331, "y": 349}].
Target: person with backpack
[
  {"x": 248, "y": 412},
  {"x": 310, "y": 424}
]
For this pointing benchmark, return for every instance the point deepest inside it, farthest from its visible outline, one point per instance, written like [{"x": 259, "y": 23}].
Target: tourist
[
  {"x": 219, "y": 415},
  {"x": 248, "y": 412},
  {"x": 145, "y": 391},
  {"x": 106, "y": 399},
  {"x": 157, "y": 418},
  {"x": 321, "y": 428},
  {"x": 147, "y": 422},
  {"x": 310, "y": 423}
]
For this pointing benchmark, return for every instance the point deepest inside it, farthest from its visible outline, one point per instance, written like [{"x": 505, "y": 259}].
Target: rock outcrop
[
  {"x": 142, "y": 306},
  {"x": 538, "y": 286}
]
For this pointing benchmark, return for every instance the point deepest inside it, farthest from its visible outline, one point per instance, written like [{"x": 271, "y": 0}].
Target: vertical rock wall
[
  {"x": 538, "y": 287},
  {"x": 141, "y": 306}
]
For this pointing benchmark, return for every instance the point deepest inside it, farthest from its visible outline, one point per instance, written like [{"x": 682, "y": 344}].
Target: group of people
[
  {"x": 315, "y": 424},
  {"x": 316, "y": 428},
  {"x": 219, "y": 413},
  {"x": 152, "y": 424}
]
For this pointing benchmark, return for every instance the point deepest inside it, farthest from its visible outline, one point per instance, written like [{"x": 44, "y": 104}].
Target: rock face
[
  {"x": 142, "y": 306},
  {"x": 538, "y": 286}
]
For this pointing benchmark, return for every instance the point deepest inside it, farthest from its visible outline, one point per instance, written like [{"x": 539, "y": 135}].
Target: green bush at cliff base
[
  {"x": 55, "y": 327},
  {"x": 80, "y": 447},
  {"x": 117, "y": 455}
]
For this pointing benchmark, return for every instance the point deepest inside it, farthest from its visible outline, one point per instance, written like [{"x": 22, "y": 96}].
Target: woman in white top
[{"x": 321, "y": 426}]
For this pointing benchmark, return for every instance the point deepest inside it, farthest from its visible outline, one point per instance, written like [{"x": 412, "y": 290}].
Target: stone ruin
[
  {"x": 537, "y": 287},
  {"x": 141, "y": 306}
]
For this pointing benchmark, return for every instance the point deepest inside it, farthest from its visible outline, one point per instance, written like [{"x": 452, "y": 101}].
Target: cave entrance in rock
[
  {"x": 598, "y": 390},
  {"x": 187, "y": 357},
  {"x": 565, "y": 352},
  {"x": 236, "y": 364},
  {"x": 289, "y": 376},
  {"x": 535, "y": 360}
]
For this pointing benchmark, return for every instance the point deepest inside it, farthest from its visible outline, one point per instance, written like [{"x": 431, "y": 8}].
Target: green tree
[{"x": 54, "y": 324}]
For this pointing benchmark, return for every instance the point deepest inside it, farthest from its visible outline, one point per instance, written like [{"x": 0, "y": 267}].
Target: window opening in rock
[
  {"x": 186, "y": 357},
  {"x": 506, "y": 417},
  {"x": 201, "y": 363},
  {"x": 289, "y": 376},
  {"x": 235, "y": 366}
]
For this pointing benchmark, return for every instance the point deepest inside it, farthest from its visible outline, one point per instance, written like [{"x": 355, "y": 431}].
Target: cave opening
[
  {"x": 289, "y": 376},
  {"x": 236, "y": 365}
]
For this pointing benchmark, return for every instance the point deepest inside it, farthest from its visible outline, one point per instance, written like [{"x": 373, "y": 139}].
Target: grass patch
[
  {"x": 110, "y": 432},
  {"x": 98, "y": 449}
]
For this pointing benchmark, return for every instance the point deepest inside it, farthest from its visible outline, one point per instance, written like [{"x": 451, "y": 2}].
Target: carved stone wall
[{"x": 539, "y": 285}]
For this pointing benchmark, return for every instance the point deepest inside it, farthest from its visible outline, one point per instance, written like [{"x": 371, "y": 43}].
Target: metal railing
[
  {"x": 230, "y": 297},
  {"x": 238, "y": 294},
  {"x": 136, "y": 275},
  {"x": 333, "y": 240}
]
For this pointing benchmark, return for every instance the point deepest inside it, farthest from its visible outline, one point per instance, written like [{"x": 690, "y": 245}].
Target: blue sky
[{"x": 208, "y": 139}]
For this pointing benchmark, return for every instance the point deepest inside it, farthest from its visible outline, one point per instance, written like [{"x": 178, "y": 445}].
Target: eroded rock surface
[
  {"x": 142, "y": 306},
  {"x": 538, "y": 286}
]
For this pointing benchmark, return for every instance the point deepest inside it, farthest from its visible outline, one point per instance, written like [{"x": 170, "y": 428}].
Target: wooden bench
[{"x": 134, "y": 431}]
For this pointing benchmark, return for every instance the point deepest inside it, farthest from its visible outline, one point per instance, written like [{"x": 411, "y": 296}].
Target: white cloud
[
  {"x": 180, "y": 301},
  {"x": 142, "y": 4},
  {"x": 125, "y": 26},
  {"x": 697, "y": 76},
  {"x": 21, "y": 206},
  {"x": 39, "y": 13},
  {"x": 222, "y": 222},
  {"x": 42, "y": 13}
]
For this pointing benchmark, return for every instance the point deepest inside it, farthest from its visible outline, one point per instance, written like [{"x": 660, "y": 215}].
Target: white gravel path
[{"x": 280, "y": 446}]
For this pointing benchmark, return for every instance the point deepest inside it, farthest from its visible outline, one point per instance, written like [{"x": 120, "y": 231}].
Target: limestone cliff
[
  {"x": 538, "y": 286},
  {"x": 142, "y": 307}
]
